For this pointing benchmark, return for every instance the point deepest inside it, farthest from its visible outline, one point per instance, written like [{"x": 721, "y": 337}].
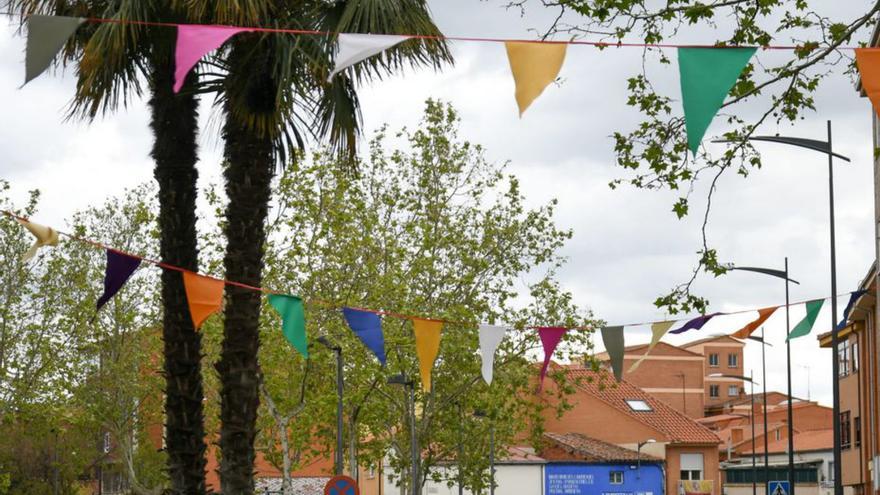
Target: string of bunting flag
[
  {"x": 204, "y": 295},
  {"x": 707, "y": 72}
]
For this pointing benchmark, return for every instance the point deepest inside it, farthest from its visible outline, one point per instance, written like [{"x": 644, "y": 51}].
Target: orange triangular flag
[
  {"x": 427, "y": 334},
  {"x": 763, "y": 314},
  {"x": 868, "y": 62},
  {"x": 204, "y": 295}
]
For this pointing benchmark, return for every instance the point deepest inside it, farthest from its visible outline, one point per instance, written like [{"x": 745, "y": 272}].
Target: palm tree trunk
[
  {"x": 174, "y": 121},
  {"x": 248, "y": 175}
]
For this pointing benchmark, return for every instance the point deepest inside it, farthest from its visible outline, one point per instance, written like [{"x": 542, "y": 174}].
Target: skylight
[{"x": 638, "y": 405}]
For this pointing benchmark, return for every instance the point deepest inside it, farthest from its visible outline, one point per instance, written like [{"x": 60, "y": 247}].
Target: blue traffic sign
[
  {"x": 341, "y": 485},
  {"x": 778, "y": 488}
]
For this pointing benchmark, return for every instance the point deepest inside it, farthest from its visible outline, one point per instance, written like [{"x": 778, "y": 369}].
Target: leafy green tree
[
  {"x": 71, "y": 376},
  {"x": 426, "y": 227},
  {"x": 654, "y": 154},
  {"x": 115, "y": 62},
  {"x": 274, "y": 97}
]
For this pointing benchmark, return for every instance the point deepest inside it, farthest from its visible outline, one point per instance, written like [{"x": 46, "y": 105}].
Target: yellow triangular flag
[
  {"x": 534, "y": 66},
  {"x": 46, "y": 236},
  {"x": 427, "y": 334},
  {"x": 658, "y": 330}
]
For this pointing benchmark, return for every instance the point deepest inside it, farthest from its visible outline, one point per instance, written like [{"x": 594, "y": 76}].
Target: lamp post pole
[
  {"x": 639, "y": 456},
  {"x": 764, "y": 345},
  {"x": 783, "y": 274},
  {"x": 826, "y": 148},
  {"x": 409, "y": 386},
  {"x": 751, "y": 418},
  {"x": 340, "y": 462},
  {"x": 482, "y": 414}
]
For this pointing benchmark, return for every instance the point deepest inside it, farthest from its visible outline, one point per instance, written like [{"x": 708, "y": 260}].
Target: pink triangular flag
[
  {"x": 193, "y": 43},
  {"x": 550, "y": 337}
]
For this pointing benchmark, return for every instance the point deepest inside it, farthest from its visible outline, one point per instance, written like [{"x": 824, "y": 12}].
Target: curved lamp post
[
  {"x": 824, "y": 147},
  {"x": 764, "y": 346},
  {"x": 409, "y": 385},
  {"x": 751, "y": 380},
  {"x": 782, "y": 274},
  {"x": 639, "y": 456},
  {"x": 339, "y": 452}
]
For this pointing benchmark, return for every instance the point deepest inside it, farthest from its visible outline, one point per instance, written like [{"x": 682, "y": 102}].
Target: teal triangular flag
[
  {"x": 707, "y": 76},
  {"x": 293, "y": 320},
  {"x": 806, "y": 325}
]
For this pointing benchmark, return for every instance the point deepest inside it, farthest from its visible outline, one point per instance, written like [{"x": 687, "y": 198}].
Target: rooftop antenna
[{"x": 809, "y": 399}]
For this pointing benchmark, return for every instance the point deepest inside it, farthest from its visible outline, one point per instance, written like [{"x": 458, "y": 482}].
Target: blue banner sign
[{"x": 602, "y": 479}]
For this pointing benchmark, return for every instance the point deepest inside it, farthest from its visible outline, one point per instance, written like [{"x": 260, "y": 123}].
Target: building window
[
  {"x": 732, "y": 360},
  {"x": 845, "y": 439},
  {"x": 830, "y": 470},
  {"x": 843, "y": 358},
  {"x": 713, "y": 360},
  {"x": 857, "y": 431},
  {"x": 638, "y": 405},
  {"x": 615, "y": 477},
  {"x": 691, "y": 467},
  {"x": 713, "y": 391},
  {"x": 778, "y": 434},
  {"x": 854, "y": 357},
  {"x": 732, "y": 391}
]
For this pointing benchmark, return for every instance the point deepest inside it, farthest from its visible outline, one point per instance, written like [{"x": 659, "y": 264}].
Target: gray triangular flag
[
  {"x": 612, "y": 337},
  {"x": 47, "y": 34},
  {"x": 490, "y": 337},
  {"x": 352, "y": 48}
]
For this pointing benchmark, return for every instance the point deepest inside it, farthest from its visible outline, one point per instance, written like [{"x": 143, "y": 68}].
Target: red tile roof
[
  {"x": 678, "y": 427},
  {"x": 583, "y": 448},
  {"x": 804, "y": 441}
]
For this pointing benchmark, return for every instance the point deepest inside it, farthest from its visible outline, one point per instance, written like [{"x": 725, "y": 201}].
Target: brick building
[
  {"x": 625, "y": 415},
  {"x": 723, "y": 355},
  {"x": 857, "y": 354},
  {"x": 669, "y": 373}
]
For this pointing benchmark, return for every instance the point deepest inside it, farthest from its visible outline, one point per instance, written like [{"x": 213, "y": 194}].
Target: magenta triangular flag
[
  {"x": 550, "y": 337},
  {"x": 193, "y": 43}
]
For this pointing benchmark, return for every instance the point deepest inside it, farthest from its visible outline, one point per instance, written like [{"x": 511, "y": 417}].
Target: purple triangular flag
[
  {"x": 550, "y": 337},
  {"x": 119, "y": 268},
  {"x": 368, "y": 327},
  {"x": 695, "y": 324}
]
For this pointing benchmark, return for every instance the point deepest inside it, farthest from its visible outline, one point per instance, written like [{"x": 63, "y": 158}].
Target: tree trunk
[
  {"x": 248, "y": 175},
  {"x": 174, "y": 121}
]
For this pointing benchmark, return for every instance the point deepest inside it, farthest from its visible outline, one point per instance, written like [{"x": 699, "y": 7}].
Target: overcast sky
[{"x": 628, "y": 247}]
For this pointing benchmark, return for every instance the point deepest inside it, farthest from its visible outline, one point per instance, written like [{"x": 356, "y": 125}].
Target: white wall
[{"x": 511, "y": 479}]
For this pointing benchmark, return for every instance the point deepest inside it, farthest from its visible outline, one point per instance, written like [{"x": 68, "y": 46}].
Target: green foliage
[
  {"x": 654, "y": 154},
  {"x": 67, "y": 371},
  {"x": 425, "y": 227}
]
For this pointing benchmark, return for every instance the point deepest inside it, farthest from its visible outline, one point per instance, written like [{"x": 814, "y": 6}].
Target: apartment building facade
[{"x": 723, "y": 355}]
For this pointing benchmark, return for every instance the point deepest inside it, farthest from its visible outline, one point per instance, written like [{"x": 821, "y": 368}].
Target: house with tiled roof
[
  {"x": 723, "y": 356},
  {"x": 624, "y": 415},
  {"x": 672, "y": 374}
]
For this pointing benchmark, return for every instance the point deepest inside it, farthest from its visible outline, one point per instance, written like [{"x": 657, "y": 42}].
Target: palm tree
[
  {"x": 112, "y": 61},
  {"x": 275, "y": 97}
]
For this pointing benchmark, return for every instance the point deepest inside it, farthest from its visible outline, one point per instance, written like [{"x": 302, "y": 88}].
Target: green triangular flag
[
  {"x": 46, "y": 36},
  {"x": 293, "y": 320},
  {"x": 806, "y": 325},
  {"x": 612, "y": 338},
  {"x": 707, "y": 76}
]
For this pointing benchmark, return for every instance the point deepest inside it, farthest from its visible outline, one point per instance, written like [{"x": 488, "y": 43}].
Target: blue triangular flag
[
  {"x": 368, "y": 327},
  {"x": 119, "y": 268},
  {"x": 852, "y": 301}
]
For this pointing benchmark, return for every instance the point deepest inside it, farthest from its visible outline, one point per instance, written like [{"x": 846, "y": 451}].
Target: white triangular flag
[
  {"x": 352, "y": 48},
  {"x": 490, "y": 337},
  {"x": 45, "y": 236}
]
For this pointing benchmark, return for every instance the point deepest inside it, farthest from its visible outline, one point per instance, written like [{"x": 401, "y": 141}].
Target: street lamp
[
  {"x": 783, "y": 274},
  {"x": 401, "y": 379},
  {"x": 751, "y": 380},
  {"x": 826, "y": 148},
  {"x": 764, "y": 346},
  {"x": 482, "y": 414},
  {"x": 639, "y": 456},
  {"x": 339, "y": 449}
]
